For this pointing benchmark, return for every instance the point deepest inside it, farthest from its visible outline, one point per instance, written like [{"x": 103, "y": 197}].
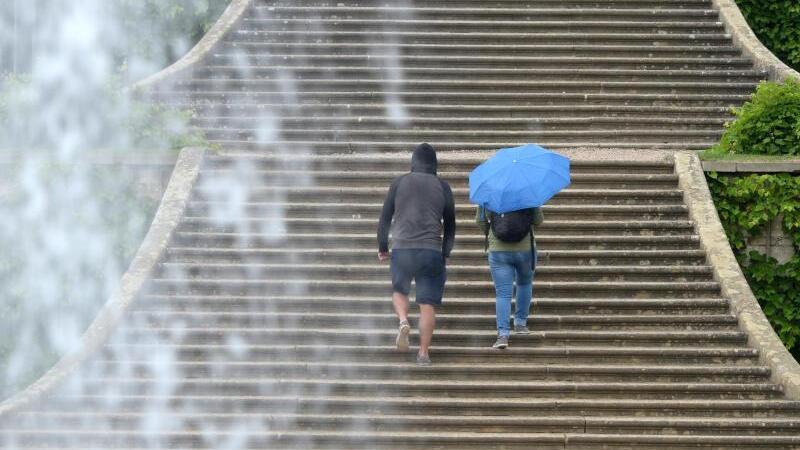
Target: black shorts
[{"x": 426, "y": 267}]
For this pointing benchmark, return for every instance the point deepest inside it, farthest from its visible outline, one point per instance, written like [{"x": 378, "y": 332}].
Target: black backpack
[{"x": 510, "y": 227}]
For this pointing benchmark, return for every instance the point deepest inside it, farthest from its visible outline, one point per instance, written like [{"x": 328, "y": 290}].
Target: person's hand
[{"x": 383, "y": 256}]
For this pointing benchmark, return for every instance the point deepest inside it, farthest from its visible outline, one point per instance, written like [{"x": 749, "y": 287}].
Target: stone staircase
[
  {"x": 267, "y": 322},
  {"x": 566, "y": 74}
]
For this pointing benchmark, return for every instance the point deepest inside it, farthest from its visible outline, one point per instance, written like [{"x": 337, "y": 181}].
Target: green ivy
[
  {"x": 777, "y": 25},
  {"x": 136, "y": 125},
  {"x": 768, "y": 124},
  {"x": 163, "y": 31},
  {"x": 746, "y": 206}
]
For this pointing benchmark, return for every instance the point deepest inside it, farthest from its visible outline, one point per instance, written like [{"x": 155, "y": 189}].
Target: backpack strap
[
  {"x": 533, "y": 252},
  {"x": 533, "y": 244},
  {"x": 486, "y": 215}
]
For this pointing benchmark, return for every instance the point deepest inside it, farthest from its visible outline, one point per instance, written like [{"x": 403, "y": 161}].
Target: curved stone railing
[
  {"x": 785, "y": 370},
  {"x": 166, "y": 219},
  {"x": 745, "y": 38},
  {"x": 229, "y": 18},
  {"x": 155, "y": 242}
]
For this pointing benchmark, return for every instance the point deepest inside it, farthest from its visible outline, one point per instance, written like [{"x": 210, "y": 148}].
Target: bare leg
[
  {"x": 400, "y": 303},
  {"x": 427, "y": 321}
]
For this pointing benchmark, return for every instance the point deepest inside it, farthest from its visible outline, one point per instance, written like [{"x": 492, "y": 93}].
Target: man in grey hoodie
[{"x": 423, "y": 233}]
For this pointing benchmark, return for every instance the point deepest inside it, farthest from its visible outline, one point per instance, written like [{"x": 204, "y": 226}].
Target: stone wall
[{"x": 774, "y": 242}]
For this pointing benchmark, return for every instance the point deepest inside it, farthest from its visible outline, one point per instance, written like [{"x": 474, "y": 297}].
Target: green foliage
[
  {"x": 164, "y": 30},
  {"x": 118, "y": 214},
  {"x": 777, "y": 25},
  {"x": 746, "y": 205},
  {"x": 769, "y": 124},
  {"x": 777, "y": 286},
  {"x": 153, "y": 126},
  {"x": 135, "y": 124}
]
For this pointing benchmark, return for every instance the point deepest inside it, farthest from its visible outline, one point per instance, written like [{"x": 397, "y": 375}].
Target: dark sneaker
[
  {"x": 521, "y": 329},
  {"x": 402, "y": 336},
  {"x": 501, "y": 343},
  {"x": 423, "y": 360}
]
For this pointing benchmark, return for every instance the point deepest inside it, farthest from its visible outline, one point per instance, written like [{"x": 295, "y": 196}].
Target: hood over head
[{"x": 424, "y": 159}]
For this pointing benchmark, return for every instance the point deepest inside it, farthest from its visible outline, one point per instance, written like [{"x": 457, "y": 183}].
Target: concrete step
[
  {"x": 565, "y": 4},
  {"x": 506, "y": 85},
  {"x": 545, "y": 273},
  {"x": 647, "y": 23},
  {"x": 400, "y": 162},
  {"x": 446, "y": 319},
  {"x": 480, "y": 354},
  {"x": 576, "y": 137},
  {"x": 511, "y": 406},
  {"x": 361, "y": 124},
  {"x": 489, "y": 389},
  {"x": 451, "y": 371},
  {"x": 453, "y": 111},
  {"x": 461, "y": 101},
  {"x": 238, "y": 249},
  {"x": 603, "y": 289},
  {"x": 467, "y": 124},
  {"x": 484, "y": 12},
  {"x": 233, "y": 146},
  {"x": 285, "y": 335},
  {"x": 544, "y": 242},
  {"x": 342, "y": 173},
  {"x": 467, "y": 226},
  {"x": 569, "y": 37},
  {"x": 313, "y": 47},
  {"x": 223, "y": 73},
  {"x": 153, "y": 303},
  {"x": 643, "y": 76},
  {"x": 330, "y": 440},
  {"x": 205, "y": 216},
  {"x": 423, "y": 422},
  {"x": 364, "y": 179},
  {"x": 252, "y": 216},
  {"x": 560, "y": 209},
  {"x": 290, "y": 60},
  {"x": 333, "y": 141},
  {"x": 383, "y": 146},
  {"x": 568, "y": 196}
]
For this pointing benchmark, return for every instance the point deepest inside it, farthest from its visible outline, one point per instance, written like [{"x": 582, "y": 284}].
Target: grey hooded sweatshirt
[{"x": 422, "y": 207}]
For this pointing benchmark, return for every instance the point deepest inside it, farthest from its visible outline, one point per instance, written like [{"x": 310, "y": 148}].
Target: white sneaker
[{"x": 402, "y": 336}]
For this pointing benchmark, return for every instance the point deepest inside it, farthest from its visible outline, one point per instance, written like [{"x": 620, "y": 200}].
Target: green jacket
[{"x": 496, "y": 245}]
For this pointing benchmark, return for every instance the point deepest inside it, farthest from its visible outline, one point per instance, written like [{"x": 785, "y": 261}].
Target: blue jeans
[{"x": 508, "y": 267}]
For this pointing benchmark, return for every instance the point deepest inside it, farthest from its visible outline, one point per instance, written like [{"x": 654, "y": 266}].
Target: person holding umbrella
[
  {"x": 509, "y": 189},
  {"x": 511, "y": 261}
]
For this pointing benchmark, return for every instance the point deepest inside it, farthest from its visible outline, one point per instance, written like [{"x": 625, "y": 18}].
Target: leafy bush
[
  {"x": 746, "y": 206},
  {"x": 131, "y": 124},
  {"x": 163, "y": 31},
  {"x": 777, "y": 25},
  {"x": 769, "y": 124}
]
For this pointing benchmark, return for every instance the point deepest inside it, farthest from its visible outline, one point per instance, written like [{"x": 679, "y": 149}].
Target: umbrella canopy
[{"x": 518, "y": 178}]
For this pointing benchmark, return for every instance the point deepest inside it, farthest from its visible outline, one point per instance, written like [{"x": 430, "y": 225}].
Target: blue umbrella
[{"x": 518, "y": 178}]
